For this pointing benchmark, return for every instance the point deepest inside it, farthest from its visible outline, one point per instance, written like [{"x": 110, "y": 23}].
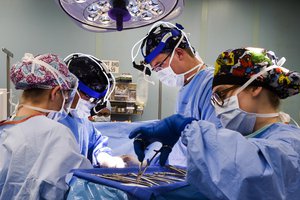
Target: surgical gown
[
  {"x": 223, "y": 164},
  {"x": 90, "y": 140},
  {"x": 35, "y": 156},
  {"x": 194, "y": 101}
]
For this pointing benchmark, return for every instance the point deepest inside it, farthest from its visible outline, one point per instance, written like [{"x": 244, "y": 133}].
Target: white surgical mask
[
  {"x": 168, "y": 77},
  {"x": 83, "y": 109}
]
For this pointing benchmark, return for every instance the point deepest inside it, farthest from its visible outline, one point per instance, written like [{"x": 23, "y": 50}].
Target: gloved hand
[
  {"x": 106, "y": 160},
  {"x": 166, "y": 131}
]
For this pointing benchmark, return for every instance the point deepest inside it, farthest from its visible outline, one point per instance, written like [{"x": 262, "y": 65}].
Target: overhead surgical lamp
[{"x": 112, "y": 15}]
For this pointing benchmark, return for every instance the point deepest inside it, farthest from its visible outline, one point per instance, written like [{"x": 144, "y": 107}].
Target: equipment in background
[{"x": 124, "y": 98}]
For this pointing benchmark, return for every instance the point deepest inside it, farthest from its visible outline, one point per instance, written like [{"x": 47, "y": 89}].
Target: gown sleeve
[{"x": 223, "y": 164}]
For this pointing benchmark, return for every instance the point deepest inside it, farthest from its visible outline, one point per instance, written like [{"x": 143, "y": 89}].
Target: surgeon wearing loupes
[
  {"x": 257, "y": 153},
  {"x": 170, "y": 56},
  {"x": 95, "y": 85}
]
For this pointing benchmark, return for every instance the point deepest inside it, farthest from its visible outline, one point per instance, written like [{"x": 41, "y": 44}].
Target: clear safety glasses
[
  {"x": 219, "y": 96},
  {"x": 159, "y": 66}
]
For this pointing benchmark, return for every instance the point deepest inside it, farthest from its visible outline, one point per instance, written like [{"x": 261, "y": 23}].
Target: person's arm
[
  {"x": 166, "y": 131},
  {"x": 101, "y": 153},
  {"x": 223, "y": 164}
]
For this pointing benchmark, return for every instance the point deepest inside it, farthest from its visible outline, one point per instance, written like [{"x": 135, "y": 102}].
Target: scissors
[{"x": 141, "y": 170}]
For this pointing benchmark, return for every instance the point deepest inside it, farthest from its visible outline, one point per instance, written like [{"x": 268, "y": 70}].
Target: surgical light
[{"x": 112, "y": 15}]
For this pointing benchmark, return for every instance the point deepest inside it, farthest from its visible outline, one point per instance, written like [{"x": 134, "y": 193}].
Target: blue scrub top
[
  {"x": 194, "y": 101},
  {"x": 90, "y": 140}
]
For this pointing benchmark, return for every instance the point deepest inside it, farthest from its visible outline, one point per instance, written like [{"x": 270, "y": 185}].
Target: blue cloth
[
  {"x": 194, "y": 98},
  {"x": 223, "y": 164},
  {"x": 90, "y": 140},
  {"x": 118, "y": 132},
  {"x": 35, "y": 156},
  {"x": 194, "y": 101},
  {"x": 78, "y": 187}
]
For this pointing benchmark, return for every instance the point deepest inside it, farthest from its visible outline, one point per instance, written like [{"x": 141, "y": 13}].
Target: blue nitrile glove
[{"x": 166, "y": 131}]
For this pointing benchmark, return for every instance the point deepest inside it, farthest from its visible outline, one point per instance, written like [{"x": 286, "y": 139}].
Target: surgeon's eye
[
  {"x": 219, "y": 96},
  {"x": 159, "y": 66}
]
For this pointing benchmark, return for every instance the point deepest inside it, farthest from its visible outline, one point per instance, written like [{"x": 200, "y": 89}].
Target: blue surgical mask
[{"x": 234, "y": 118}]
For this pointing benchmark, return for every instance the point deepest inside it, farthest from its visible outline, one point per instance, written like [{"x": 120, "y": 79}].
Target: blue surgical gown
[
  {"x": 223, "y": 164},
  {"x": 35, "y": 156},
  {"x": 194, "y": 101},
  {"x": 90, "y": 140}
]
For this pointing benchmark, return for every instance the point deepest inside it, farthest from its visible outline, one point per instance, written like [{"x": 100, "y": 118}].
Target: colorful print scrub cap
[
  {"x": 237, "y": 66},
  {"x": 43, "y": 71}
]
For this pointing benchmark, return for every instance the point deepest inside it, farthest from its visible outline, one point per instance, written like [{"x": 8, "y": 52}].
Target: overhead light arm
[{"x": 119, "y": 13}]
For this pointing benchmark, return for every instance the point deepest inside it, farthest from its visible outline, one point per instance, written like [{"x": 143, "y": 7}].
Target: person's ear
[
  {"x": 180, "y": 53},
  {"x": 256, "y": 91},
  {"x": 54, "y": 92}
]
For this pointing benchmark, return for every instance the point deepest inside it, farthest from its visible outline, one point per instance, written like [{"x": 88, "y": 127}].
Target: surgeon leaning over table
[
  {"x": 257, "y": 154},
  {"x": 171, "y": 56},
  {"x": 96, "y": 84}
]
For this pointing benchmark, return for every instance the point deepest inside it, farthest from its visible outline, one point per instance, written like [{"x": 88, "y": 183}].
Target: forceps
[{"x": 141, "y": 170}]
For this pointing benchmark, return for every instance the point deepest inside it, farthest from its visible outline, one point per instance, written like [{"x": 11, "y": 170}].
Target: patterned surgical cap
[
  {"x": 236, "y": 66},
  {"x": 33, "y": 72}
]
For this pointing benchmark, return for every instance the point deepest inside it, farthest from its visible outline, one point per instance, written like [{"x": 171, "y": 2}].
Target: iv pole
[{"x": 8, "y": 56}]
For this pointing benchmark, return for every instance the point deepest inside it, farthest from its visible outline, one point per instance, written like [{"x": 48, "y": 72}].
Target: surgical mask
[
  {"x": 83, "y": 109},
  {"x": 234, "y": 118},
  {"x": 168, "y": 77}
]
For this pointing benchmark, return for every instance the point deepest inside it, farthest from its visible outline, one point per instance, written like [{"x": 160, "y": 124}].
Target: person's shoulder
[
  {"x": 284, "y": 130},
  {"x": 43, "y": 121},
  {"x": 283, "y": 126},
  {"x": 206, "y": 72}
]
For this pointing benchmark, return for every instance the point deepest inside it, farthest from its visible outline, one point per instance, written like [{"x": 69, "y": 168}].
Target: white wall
[{"x": 40, "y": 26}]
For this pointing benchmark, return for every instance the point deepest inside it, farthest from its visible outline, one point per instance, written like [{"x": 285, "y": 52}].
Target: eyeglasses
[
  {"x": 218, "y": 97},
  {"x": 158, "y": 66}
]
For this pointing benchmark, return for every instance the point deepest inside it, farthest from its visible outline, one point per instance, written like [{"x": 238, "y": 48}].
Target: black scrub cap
[{"x": 89, "y": 70}]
